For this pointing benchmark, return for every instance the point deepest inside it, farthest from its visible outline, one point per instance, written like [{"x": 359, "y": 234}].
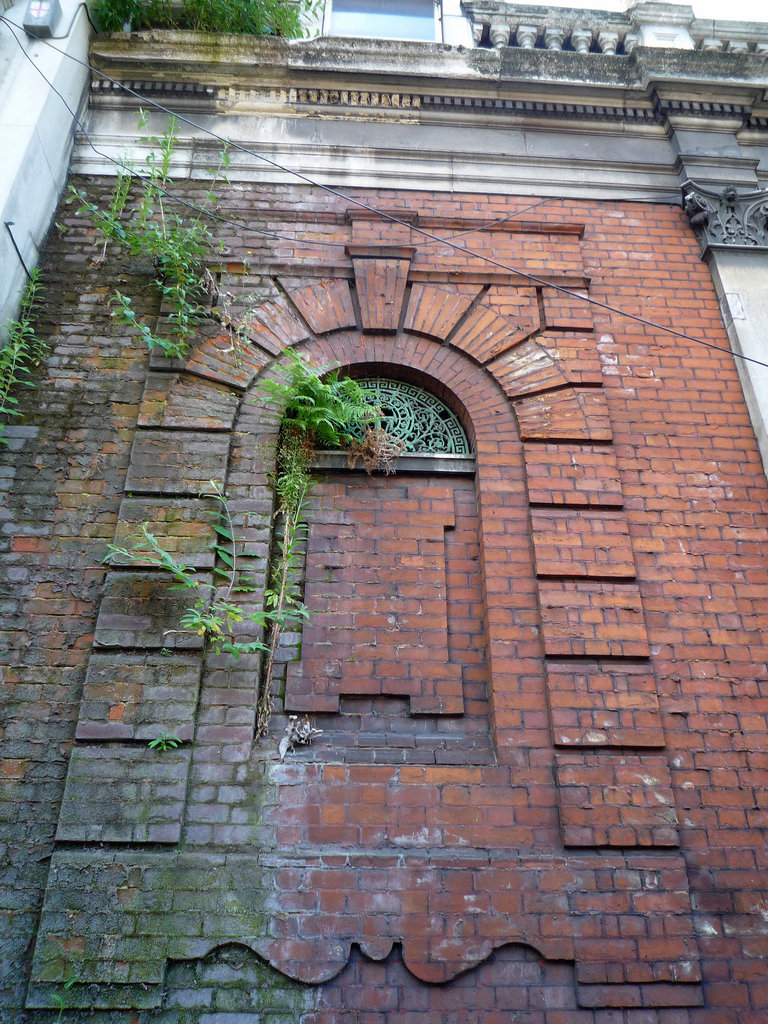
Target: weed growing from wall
[
  {"x": 165, "y": 741},
  {"x": 21, "y": 352},
  {"x": 213, "y": 613},
  {"x": 318, "y": 413},
  {"x": 178, "y": 246}
]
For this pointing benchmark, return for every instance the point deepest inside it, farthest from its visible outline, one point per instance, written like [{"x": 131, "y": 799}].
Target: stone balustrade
[{"x": 496, "y": 24}]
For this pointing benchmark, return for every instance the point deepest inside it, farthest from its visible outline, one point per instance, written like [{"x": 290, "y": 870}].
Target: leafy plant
[
  {"x": 59, "y": 999},
  {"x": 317, "y": 412},
  {"x": 212, "y": 615},
  {"x": 21, "y": 351},
  {"x": 251, "y": 17},
  {"x": 164, "y": 742},
  {"x": 178, "y": 246}
]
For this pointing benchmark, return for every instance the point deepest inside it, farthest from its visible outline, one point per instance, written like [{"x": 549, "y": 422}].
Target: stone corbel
[{"x": 727, "y": 219}]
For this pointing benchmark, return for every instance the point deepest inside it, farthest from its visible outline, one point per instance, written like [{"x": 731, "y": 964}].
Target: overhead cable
[{"x": 386, "y": 215}]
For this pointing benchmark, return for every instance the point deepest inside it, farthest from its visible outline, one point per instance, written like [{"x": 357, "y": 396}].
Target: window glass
[{"x": 383, "y": 19}]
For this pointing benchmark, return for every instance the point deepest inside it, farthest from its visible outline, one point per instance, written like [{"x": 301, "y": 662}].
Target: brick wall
[{"x": 539, "y": 791}]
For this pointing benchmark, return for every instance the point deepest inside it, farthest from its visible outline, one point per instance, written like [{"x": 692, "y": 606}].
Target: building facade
[{"x": 535, "y": 653}]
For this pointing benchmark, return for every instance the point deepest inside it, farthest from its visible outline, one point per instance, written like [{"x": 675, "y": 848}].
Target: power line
[
  {"x": 133, "y": 173},
  {"x": 396, "y": 220}
]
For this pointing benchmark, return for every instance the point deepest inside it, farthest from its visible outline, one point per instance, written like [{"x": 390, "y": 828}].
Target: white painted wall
[
  {"x": 36, "y": 136},
  {"x": 741, "y": 282}
]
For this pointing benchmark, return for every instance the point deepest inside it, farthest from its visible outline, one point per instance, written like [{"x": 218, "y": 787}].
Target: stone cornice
[
  {"x": 308, "y": 78},
  {"x": 191, "y": 56}
]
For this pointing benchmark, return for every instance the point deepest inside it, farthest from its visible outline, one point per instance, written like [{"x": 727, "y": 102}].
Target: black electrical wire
[
  {"x": 396, "y": 220},
  {"x": 133, "y": 173}
]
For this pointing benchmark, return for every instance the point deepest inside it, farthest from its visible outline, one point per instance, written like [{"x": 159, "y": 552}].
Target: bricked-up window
[{"x": 393, "y": 659}]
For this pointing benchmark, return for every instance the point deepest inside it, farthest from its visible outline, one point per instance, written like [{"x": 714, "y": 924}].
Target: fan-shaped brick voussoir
[
  {"x": 504, "y": 318},
  {"x": 571, "y": 414},
  {"x": 274, "y": 326},
  {"x": 326, "y": 305},
  {"x": 548, "y": 361},
  {"x": 225, "y": 359},
  {"x": 436, "y": 311}
]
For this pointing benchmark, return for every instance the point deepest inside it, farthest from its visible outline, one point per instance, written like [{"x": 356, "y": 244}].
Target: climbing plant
[
  {"x": 213, "y": 613},
  {"x": 178, "y": 245},
  {"x": 318, "y": 412}
]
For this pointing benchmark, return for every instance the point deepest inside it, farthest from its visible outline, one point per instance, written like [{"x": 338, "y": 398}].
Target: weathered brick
[
  {"x": 607, "y": 799},
  {"x": 380, "y": 280},
  {"x": 326, "y": 305},
  {"x": 435, "y": 311},
  {"x": 548, "y": 361},
  {"x": 139, "y": 610},
  {"x": 502, "y": 319},
  {"x": 582, "y": 543},
  {"x": 176, "y": 462},
  {"x": 694, "y": 497},
  {"x": 566, "y": 308},
  {"x": 180, "y": 400},
  {"x": 124, "y": 794},
  {"x": 582, "y": 618},
  {"x": 134, "y": 696},
  {"x": 572, "y": 474},
  {"x": 377, "y": 590},
  {"x": 572, "y": 414},
  {"x": 612, "y": 704},
  {"x": 182, "y": 527}
]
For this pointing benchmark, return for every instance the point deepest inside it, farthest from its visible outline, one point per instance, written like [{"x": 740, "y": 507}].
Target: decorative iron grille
[{"x": 420, "y": 419}]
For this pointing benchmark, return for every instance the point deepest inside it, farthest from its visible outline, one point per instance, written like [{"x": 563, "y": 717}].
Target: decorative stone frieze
[{"x": 727, "y": 219}]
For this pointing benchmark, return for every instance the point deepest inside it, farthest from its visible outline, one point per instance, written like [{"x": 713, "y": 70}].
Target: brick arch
[
  {"x": 502, "y": 499},
  {"x": 488, "y": 863}
]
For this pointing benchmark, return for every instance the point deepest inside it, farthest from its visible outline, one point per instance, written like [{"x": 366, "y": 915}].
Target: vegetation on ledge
[{"x": 250, "y": 17}]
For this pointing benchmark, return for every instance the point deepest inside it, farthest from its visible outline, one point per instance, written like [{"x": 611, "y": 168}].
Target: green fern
[{"x": 320, "y": 408}]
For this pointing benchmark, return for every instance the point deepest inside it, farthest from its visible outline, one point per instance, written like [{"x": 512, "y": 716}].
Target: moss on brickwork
[{"x": 444, "y": 836}]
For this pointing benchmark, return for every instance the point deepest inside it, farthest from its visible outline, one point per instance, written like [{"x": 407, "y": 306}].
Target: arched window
[{"x": 416, "y": 416}]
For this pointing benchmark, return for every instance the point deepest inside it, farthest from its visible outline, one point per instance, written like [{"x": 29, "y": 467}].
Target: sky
[{"x": 736, "y": 10}]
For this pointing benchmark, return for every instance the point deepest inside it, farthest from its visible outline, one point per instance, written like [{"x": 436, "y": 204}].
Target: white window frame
[{"x": 438, "y": 17}]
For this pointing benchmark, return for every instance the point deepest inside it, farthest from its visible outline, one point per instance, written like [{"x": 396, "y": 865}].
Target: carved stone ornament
[{"x": 726, "y": 218}]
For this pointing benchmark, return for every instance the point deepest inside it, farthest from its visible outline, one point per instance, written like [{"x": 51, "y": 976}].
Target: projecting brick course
[{"x": 580, "y": 838}]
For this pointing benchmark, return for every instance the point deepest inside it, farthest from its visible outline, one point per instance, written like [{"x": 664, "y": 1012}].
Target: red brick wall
[{"x": 586, "y": 838}]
